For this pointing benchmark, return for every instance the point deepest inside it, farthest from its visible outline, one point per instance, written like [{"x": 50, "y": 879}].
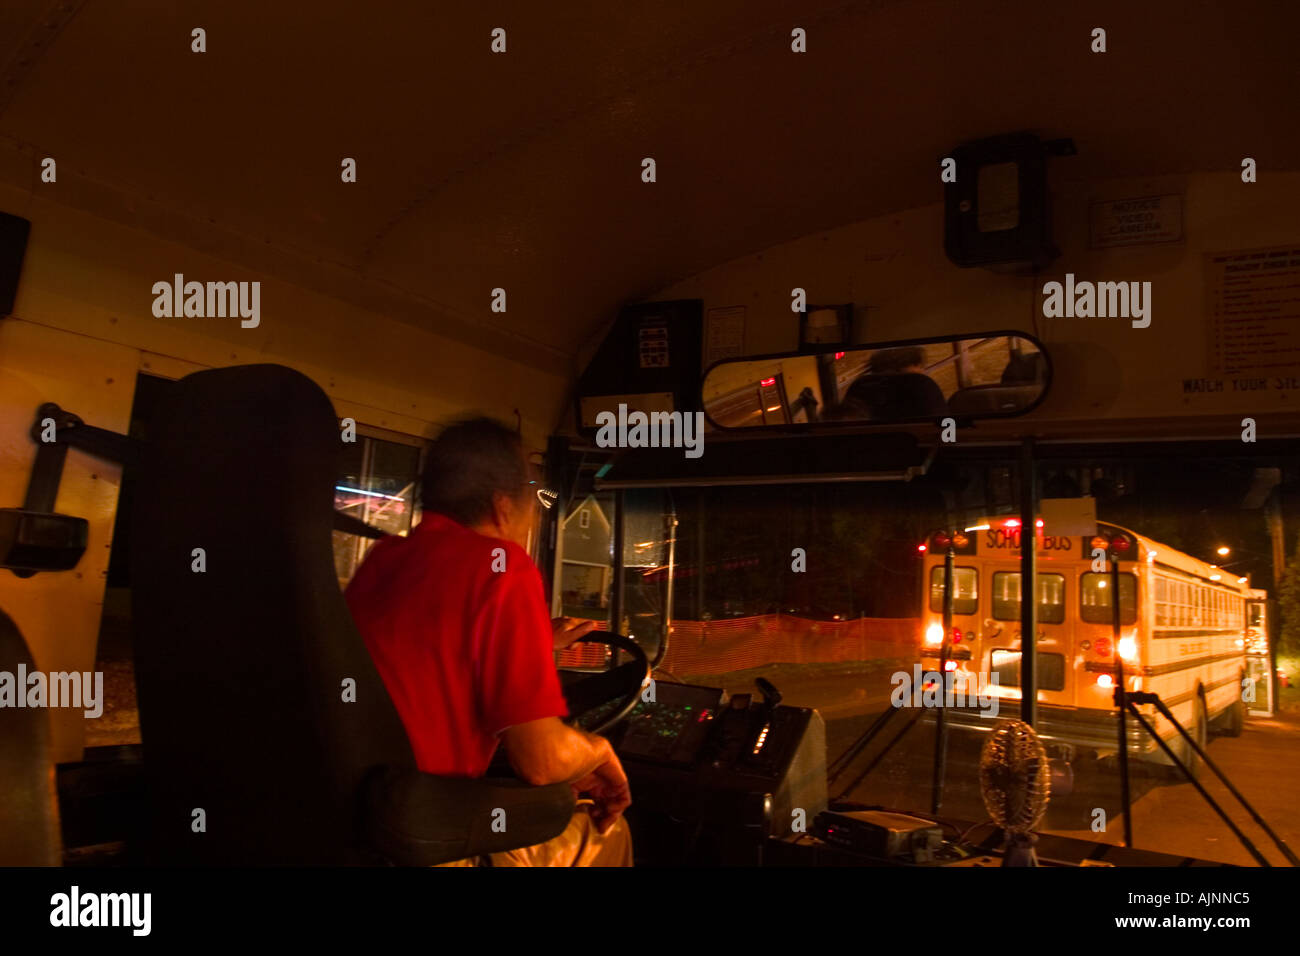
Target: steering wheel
[{"x": 598, "y": 702}]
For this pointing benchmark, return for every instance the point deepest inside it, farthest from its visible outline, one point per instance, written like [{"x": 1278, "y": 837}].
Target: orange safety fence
[
  {"x": 584, "y": 656},
  {"x": 717, "y": 647}
]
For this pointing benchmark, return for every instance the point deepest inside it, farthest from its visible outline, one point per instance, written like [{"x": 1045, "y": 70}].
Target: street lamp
[{"x": 1224, "y": 551}]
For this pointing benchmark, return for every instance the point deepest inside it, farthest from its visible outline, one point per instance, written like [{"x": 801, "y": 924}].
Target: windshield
[{"x": 828, "y": 591}]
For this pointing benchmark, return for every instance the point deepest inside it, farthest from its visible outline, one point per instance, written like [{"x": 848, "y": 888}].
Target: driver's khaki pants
[{"x": 579, "y": 845}]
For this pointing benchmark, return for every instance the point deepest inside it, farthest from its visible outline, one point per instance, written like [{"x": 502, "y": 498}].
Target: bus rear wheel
[
  {"x": 1200, "y": 733},
  {"x": 1234, "y": 718}
]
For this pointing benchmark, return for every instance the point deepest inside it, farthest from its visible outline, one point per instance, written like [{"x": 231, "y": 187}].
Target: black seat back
[
  {"x": 993, "y": 399},
  {"x": 29, "y": 811},
  {"x": 242, "y": 662}
]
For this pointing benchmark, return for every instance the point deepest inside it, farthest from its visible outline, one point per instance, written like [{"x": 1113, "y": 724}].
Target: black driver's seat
[{"x": 268, "y": 736}]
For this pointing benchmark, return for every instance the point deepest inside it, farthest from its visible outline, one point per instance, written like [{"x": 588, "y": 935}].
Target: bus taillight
[
  {"x": 1115, "y": 545},
  {"x": 1105, "y": 680},
  {"x": 934, "y": 635},
  {"x": 1102, "y": 646},
  {"x": 1128, "y": 648}
]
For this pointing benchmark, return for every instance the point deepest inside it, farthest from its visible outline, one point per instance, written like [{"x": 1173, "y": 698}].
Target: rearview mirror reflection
[{"x": 993, "y": 375}]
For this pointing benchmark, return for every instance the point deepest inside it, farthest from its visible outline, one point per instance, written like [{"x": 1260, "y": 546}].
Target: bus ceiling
[{"x": 535, "y": 186}]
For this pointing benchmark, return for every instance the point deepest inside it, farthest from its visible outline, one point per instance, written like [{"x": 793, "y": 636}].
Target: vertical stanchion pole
[
  {"x": 940, "y": 726},
  {"x": 1121, "y": 701},
  {"x": 620, "y": 531},
  {"x": 668, "y": 590},
  {"x": 699, "y": 553},
  {"x": 1028, "y": 585}
]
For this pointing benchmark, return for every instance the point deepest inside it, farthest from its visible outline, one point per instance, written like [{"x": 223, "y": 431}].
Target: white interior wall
[
  {"x": 83, "y": 328},
  {"x": 893, "y": 268}
]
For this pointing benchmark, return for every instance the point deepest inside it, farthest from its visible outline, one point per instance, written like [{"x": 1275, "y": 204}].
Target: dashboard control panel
[
  {"x": 674, "y": 730},
  {"x": 753, "y": 765}
]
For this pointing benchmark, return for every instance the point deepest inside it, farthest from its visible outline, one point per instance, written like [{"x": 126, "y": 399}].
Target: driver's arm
[{"x": 548, "y": 751}]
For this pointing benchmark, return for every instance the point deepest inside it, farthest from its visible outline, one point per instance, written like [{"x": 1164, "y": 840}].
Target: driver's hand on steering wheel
[{"x": 566, "y": 630}]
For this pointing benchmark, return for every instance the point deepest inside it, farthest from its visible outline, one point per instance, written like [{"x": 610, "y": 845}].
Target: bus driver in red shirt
[{"x": 455, "y": 619}]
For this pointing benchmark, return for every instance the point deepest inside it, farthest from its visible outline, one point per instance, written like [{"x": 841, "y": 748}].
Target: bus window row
[
  {"x": 1094, "y": 595},
  {"x": 1181, "y": 603},
  {"x": 1178, "y": 603}
]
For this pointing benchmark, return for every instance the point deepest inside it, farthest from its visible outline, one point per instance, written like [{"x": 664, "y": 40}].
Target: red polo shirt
[{"x": 464, "y": 650}]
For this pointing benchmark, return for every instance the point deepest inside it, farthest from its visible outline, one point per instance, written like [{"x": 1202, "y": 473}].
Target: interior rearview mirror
[{"x": 989, "y": 375}]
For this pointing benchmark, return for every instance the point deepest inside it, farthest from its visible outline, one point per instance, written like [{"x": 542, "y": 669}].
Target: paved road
[
  {"x": 1263, "y": 763},
  {"x": 1169, "y": 816}
]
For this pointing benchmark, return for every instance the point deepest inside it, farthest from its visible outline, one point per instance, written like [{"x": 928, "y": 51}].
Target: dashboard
[
  {"x": 673, "y": 730},
  {"x": 749, "y": 769}
]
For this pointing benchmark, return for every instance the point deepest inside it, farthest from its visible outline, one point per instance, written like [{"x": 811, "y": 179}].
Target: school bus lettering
[
  {"x": 1003, "y": 538},
  {"x": 1009, "y": 539}
]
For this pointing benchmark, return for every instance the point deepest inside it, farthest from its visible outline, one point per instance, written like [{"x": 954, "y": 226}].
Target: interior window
[
  {"x": 587, "y": 558},
  {"x": 379, "y": 484}
]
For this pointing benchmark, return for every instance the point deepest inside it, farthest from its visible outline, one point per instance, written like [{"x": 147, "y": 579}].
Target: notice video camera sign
[{"x": 1131, "y": 222}]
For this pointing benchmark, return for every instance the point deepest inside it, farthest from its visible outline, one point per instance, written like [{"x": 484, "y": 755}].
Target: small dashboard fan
[{"x": 1015, "y": 783}]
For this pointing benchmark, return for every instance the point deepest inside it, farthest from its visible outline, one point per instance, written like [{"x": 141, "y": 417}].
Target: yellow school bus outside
[{"x": 1182, "y": 633}]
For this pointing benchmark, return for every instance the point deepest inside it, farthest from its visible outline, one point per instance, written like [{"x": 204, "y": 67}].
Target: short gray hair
[{"x": 469, "y": 463}]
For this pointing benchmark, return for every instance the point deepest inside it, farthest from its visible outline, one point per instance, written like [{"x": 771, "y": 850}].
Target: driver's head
[
  {"x": 477, "y": 474},
  {"x": 906, "y": 358}
]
